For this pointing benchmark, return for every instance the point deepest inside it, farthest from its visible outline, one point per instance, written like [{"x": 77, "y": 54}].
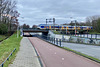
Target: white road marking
[
  {"x": 55, "y": 53},
  {"x": 62, "y": 58}
]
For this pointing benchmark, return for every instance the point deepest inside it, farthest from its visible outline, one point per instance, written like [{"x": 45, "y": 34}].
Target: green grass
[
  {"x": 56, "y": 32},
  {"x": 7, "y": 46},
  {"x": 84, "y": 55},
  {"x": 2, "y": 37},
  {"x": 93, "y": 32}
]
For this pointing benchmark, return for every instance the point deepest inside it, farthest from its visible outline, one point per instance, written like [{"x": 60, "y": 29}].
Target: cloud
[{"x": 36, "y": 11}]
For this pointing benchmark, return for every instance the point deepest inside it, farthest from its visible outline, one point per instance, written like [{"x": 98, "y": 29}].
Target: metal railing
[
  {"x": 7, "y": 59},
  {"x": 85, "y": 38},
  {"x": 52, "y": 40},
  {"x": 94, "y": 36}
]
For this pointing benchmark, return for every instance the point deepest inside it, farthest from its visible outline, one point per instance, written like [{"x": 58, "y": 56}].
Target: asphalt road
[
  {"x": 90, "y": 50},
  {"x": 53, "y": 56}
]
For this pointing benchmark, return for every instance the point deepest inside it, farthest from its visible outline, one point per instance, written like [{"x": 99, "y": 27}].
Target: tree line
[
  {"x": 8, "y": 16},
  {"x": 94, "y": 21},
  {"x": 25, "y": 26}
]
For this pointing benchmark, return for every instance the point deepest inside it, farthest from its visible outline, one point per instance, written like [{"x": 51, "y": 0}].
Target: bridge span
[{"x": 30, "y": 30}]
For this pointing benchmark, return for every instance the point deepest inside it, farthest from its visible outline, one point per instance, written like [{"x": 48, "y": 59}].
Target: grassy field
[{"x": 7, "y": 46}]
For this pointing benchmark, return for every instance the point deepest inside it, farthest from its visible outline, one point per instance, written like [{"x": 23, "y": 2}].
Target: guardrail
[
  {"x": 52, "y": 40},
  {"x": 7, "y": 59}
]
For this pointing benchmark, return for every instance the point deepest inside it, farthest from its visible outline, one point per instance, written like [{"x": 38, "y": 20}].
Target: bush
[{"x": 3, "y": 28}]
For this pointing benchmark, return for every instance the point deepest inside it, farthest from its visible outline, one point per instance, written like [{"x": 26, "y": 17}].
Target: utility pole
[
  {"x": 54, "y": 23},
  {"x": 50, "y": 20},
  {"x": 75, "y": 27},
  {"x": 46, "y": 23},
  {"x": 17, "y": 31}
]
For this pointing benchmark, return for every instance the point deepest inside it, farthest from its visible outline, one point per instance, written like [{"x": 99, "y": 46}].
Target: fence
[
  {"x": 7, "y": 59},
  {"x": 95, "y": 36},
  {"x": 52, "y": 40},
  {"x": 85, "y": 38}
]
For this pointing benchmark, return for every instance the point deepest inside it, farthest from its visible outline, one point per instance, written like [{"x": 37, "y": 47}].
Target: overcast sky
[{"x": 34, "y": 12}]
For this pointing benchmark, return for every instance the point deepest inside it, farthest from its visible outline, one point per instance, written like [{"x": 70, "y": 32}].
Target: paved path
[
  {"x": 86, "y": 49},
  {"x": 26, "y": 57},
  {"x": 53, "y": 56}
]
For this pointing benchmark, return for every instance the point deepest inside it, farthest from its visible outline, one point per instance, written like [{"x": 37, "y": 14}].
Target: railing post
[
  {"x": 95, "y": 36},
  {"x": 54, "y": 40},
  {"x": 2, "y": 65},
  {"x": 84, "y": 35},
  {"x": 91, "y": 35},
  {"x": 50, "y": 39},
  {"x": 80, "y": 35},
  {"x": 11, "y": 54},
  {"x": 7, "y": 58},
  {"x": 57, "y": 41},
  {"x": 87, "y": 35},
  {"x": 60, "y": 42}
]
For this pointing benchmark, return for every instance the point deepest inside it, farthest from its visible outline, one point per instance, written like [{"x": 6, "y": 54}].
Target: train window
[
  {"x": 42, "y": 26},
  {"x": 69, "y": 27}
]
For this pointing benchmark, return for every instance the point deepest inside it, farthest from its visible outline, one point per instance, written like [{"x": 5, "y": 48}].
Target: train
[{"x": 63, "y": 27}]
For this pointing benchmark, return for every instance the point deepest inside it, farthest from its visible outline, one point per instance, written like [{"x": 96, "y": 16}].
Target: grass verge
[
  {"x": 2, "y": 37},
  {"x": 7, "y": 46},
  {"x": 84, "y": 55}
]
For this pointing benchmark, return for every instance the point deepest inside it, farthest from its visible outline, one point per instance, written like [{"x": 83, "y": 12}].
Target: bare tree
[
  {"x": 92, "y": 21},
  {"x": 8, "y": 13}
]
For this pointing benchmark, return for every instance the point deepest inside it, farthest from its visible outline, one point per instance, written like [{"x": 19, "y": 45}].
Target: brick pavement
[{"x": 26, "y": 57}]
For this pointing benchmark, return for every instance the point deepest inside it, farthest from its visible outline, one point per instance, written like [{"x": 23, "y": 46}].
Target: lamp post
[
  {"x": 46, "y": 23},
  {"x": 17, "y": 31}
]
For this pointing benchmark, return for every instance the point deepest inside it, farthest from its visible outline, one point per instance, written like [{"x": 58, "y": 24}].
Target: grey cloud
[{"x": 38, "y": 10}]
